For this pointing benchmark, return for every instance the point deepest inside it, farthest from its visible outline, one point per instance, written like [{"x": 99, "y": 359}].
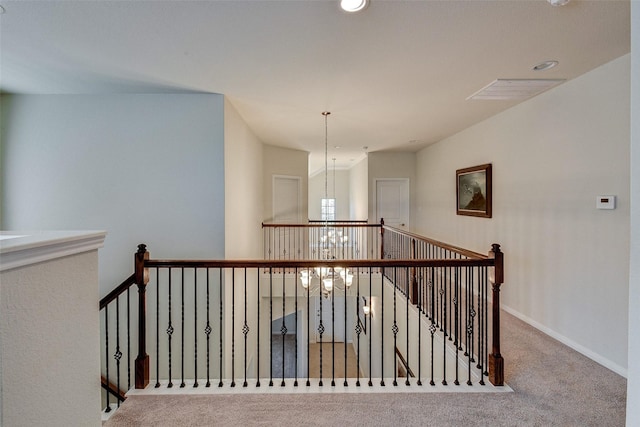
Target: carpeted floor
[{"x": 553, "y": 386}]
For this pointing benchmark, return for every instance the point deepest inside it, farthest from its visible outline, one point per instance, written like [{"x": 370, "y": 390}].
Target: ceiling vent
[{"x": 504, "y": 89}]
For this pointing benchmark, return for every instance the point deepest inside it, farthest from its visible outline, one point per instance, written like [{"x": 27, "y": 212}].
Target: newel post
[
  {"x": 141, "y": 279},
  {"x": 381, "y": 238},
  {"x": 496, "y": 362}
]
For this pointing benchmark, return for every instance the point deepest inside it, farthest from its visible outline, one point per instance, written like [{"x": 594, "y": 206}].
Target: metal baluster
[
  {"x": 358, "y": 327},
  {"x": 394, "y": 329},
  {"x": 382, "y": 327},
  {"x": 333, "y": 328},
  {"x": 170, "y": 330},
  {"x": 283, "y": 329},
  {"x": 258, "y": 299},
  {"x": 456, "y": 323},
  {"x": 129, "y": 338},
  {"x": 118, "y": 353},
  {"x": 207, "y": 331},
  {"x": 346, "y": 271},
  {"x": 195, "y": 327},
  {"x": 106, "y": 353},
  {"x": 220, "y": 282},
  {"x": 432, "y": 328},
  {"x": 420, "y": 312},
  {"x": 407, "y": 324},
  {"x": 157, "y": 328},
  {"x": 270, "y": 322},
  {"x": 182, "y": 384},
  {"x": 245, "y": 328},
  {"x": 233, "y": 327},
  {"x": 295, "y": 285},
  {"x": 470, "y": 328},
  {"x": 444, "y": 320},
  {"x": 370, "y": 331},
  {"x": 320, "y": 329},
  {"x": 308, "y": 330}
]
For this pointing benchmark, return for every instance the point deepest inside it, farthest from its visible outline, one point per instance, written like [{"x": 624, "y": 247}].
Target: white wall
[
  {"x": 338, "y": 190},
  {"x": 392, "y": 165},
  {"x": 567, "y": 263},
  {"x": 146, "y": 168},
  {"x": 633, "y": 384},
  {"x": 51, "y": 355},
  {"x": 288, "y": 162},
  {"x": 243, "y": 177},
  {"x": 359, "y": 190}
]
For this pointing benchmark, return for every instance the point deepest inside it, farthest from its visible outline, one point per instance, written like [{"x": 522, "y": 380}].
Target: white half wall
[
  {"x": 243, "y": 197},
  {"x": 566, "y": 263},
  {"x": 146, "y": 168},
  {"x": 633, "y": 378}
]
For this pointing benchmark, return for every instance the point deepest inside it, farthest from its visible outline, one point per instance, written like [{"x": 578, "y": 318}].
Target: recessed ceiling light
[
  {"x": 337, "y": 147},
  {"x": 546, "y": 65},
  {"x": 558, "y": 2},
  {"x": 353, "y": 5}
]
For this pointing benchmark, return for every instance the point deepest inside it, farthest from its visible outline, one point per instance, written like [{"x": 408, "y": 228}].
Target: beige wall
[
  {"x": 358, "y": 189},
  {"x": 284, "y": 161},
  {"x": 567, "y": 264},
  {"x": 243, "y": 197},
  {"x": 633, "y": 389}
]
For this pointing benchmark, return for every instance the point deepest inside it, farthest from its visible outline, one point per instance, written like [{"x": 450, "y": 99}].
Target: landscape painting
[{"x": 473, "y": 191}]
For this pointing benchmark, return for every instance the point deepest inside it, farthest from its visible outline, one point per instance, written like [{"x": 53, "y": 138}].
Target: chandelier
[{"x": 326, "y": 279}]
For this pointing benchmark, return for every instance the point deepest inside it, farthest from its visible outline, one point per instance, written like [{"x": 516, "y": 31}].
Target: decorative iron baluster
[
  {"x": 106, "y": 353},
  {"x": 170, "y": 330},
  {"x": 270, "y": 323},
  {"x": 358, "y": 327},
  {"x": 407, "y": 326},
  {"x": 295, "y": 286},
  {"x": 370, "y": 331},
  {"x": 220, "y": 310},
  {"x": 382, "y": 325},
  {"x": 432, "y": 328},
  {"x": 195, "y": 327},
  {"x": 258, "y": 299},
  {"x": 245, "y": 328},
  {"x": 207, "y": 332},
  {"x": 233, "y": 327},
  {"x": 182, "y": 384},
  {"x": 456, "y": 323},
  {"x": 394, "y": 329},
  {"x": 283, "y": 329},
  {"x": 129, "y": 338},
  {"x": 333, "y": 328},
  {"x": 118, "y": 354},
  {"x": 345, "y": 324},
  {"x": 308, "y": 331},
  {"x": 157, "y": 328}
]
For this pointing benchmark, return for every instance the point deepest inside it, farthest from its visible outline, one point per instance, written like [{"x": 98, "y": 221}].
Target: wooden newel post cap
[
  {"x": 142, "y": 248},
  {"x": 495, "y": 248}
]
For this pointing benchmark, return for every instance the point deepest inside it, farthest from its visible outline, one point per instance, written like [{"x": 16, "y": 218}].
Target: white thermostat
[{"x": 606, "y": 202}]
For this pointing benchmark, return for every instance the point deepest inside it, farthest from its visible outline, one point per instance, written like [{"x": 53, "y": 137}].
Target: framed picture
[{"x": 473, "y": 191}]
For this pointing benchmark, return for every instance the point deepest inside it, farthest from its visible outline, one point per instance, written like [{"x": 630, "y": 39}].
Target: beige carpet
[{"x": 553, "y": 386}]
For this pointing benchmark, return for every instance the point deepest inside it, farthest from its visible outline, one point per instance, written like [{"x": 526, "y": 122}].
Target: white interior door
[
  {"x": 392, "y": 201},
  {"x": 286, "y": 199}
]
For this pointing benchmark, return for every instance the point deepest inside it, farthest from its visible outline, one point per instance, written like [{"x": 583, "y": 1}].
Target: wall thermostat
[{"x": 606, "y": 202}]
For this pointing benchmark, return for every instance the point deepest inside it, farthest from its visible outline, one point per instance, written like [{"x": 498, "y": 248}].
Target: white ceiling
[{"x": 395, "y": 76}]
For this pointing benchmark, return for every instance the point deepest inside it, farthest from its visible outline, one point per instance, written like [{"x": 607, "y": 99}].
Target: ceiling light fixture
[
  {"x": 353, "y": 5},
  {"x": 546, "y": 65},
  {"x": 558, "y": 2}
]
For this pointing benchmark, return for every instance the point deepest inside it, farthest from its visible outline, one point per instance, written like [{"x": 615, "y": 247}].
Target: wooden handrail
[
  {"x": 381, "y": 263},
  {"x": 113, "y": 389},
  {"x": 339, "y": 221},
  {"x": 452, "y": 248},
  {"x": 321, "y": 224},
  {"x": 119, "y": 290}
]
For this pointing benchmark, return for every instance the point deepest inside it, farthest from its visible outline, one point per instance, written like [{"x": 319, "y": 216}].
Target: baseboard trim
[{"x": 568, "y": 342}]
